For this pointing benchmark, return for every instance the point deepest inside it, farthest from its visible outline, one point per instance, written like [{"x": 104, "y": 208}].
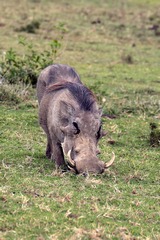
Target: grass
[{"x": 118, "y": 59}]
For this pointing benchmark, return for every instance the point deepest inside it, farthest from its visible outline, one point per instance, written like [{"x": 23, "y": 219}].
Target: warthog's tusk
[
  {"x": 110, "y": 162},
  {"x": 69, "y": 159},
  {"x": 72, "y": 169}
]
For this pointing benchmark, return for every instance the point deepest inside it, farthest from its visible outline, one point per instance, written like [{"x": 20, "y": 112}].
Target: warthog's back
[{"x": 54, "y": 74}]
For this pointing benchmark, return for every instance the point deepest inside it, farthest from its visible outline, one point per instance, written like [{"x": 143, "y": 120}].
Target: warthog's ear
[
  {"x": 66, "y": 110},
  {"x": 100, "y": 111}
]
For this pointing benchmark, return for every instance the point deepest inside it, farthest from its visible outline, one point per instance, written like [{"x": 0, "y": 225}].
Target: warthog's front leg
[{"x": 57, "y": 155}]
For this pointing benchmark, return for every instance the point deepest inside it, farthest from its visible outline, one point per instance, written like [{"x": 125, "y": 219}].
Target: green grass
[{"x": 118, "y": 59}]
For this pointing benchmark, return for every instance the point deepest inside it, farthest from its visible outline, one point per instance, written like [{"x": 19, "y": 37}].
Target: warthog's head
[{"x": 82, "y": 131}]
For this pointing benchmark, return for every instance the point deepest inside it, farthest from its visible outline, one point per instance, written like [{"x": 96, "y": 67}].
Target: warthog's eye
[
  {"x": 99, "y": 133},
  {"x": 76, "y": 126}
]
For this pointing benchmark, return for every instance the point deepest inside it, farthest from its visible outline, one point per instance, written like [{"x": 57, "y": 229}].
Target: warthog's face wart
[{"x": 81, "y": 136}]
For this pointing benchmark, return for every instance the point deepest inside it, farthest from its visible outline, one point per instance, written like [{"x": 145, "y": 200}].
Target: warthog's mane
[
  {"x": 59, "y": 72},
  {"x": 80, "y": 92}
]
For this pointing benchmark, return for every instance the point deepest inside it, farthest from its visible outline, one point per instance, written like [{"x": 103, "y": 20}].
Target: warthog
[{"x": 69, "y": 115}]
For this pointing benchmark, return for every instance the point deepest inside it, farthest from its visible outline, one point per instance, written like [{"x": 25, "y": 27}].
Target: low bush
[{"x": 16, "y": 68}]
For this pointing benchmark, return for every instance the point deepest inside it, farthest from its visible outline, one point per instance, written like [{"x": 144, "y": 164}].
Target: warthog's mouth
[{"x": 72, "y": 164}]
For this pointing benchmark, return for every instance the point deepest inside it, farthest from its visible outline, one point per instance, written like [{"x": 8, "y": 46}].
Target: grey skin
[{"x": 73, "y": 128}]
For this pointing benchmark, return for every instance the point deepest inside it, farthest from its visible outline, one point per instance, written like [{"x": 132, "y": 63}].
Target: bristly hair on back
[{"x": 83, "y": 95}]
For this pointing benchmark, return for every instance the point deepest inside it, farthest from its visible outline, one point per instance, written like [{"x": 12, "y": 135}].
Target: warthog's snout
[{"x": 84, "y": 164}]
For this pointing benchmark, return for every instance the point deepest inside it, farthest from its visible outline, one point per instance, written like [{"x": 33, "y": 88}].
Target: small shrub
[
  {"x": 30, "y": 28},
  {"x": 26, "y": 68},
  {"x": 11, "y": 94}
]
